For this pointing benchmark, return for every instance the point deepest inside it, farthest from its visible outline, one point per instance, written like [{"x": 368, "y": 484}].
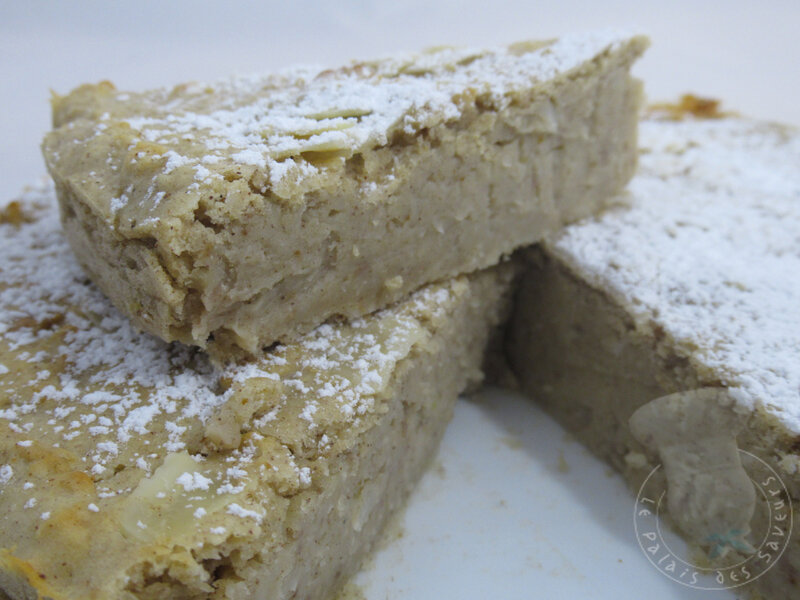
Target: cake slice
[
  {"x": 134, "y": 469},
  {"x": 668, "y": 332},
  {"x": 233, "y": 215}
]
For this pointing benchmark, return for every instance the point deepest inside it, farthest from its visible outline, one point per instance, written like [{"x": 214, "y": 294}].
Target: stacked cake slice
[
  {"x": 239, "y": 214},
  {"x": 245, "y": 219},
  {"x": 668, "y": 331},
  {"x": 135, "y": 469}
]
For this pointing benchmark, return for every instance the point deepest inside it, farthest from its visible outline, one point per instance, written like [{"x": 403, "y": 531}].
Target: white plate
[{"x": 514, "y": 509}]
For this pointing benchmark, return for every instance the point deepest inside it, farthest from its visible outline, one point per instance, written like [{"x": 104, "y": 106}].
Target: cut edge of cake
[{"x": 685, "y": 292}]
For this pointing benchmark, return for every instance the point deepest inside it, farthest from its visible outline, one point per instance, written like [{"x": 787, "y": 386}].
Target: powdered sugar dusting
[
  {"x": 6, "y": 473},
  {"x": 285, "y": 123},
  {"x": 193, "y": 481},
  {"x": 122, "y": 400},
  {"x": 350, "y": 108},
  {"x": 244, "y": 513},
  {"x": 710, "y": 252}
]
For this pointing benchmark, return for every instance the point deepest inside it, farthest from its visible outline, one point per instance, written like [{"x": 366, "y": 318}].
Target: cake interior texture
[
  {"x": 135, "y": 469},
  {"x": 690, "y": 287},
  {"x": 232, "y": 215}
]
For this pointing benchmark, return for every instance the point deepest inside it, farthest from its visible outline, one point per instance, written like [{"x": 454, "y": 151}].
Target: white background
[
  {"x": 744, "y": 52},
  {"x": 497, "y": 519}
]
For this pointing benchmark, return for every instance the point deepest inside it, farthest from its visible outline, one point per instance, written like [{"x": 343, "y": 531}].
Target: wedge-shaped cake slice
[
  {"x": 234, "y": 215},
  {"x": 130, "y": 468},
  {"x": 694, "y": 290}
]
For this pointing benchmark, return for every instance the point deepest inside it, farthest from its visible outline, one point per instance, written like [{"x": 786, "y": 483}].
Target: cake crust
[{"x": 234, "y": 215}]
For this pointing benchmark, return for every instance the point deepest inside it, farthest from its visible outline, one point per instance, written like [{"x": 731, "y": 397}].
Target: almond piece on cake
[
  {"x": 135, "y": 469},
  {"x": 669, "y": 333},
  {"x": 233, "y": 215}
]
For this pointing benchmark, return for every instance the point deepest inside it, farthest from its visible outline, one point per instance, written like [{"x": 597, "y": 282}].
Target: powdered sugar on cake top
[
  {"x": 353, "y": 107},
  {"x": 710, "y": 252},
  {"x": 291, "y": 125},
  {"x": 79, "y": 377}
]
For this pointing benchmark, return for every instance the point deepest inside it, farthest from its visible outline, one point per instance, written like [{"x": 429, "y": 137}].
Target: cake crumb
[
  {"x": 690, "y": 106},
  {"x": 14, "y": 215}
]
